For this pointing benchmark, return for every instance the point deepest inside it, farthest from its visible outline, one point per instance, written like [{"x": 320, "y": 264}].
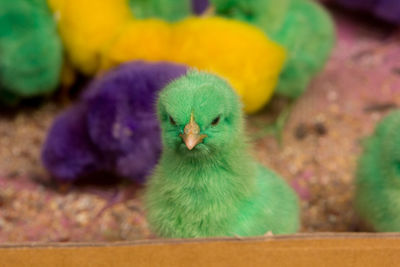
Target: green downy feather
[
  {"x": 30, "y": 50},
  {"x": 170, "y": 10},
  {"x": 378, "y": 177},
  {"x": 217, "y": 188}
]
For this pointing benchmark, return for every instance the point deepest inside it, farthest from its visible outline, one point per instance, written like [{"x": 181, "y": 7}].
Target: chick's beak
[{"x": 191, "y": 135}]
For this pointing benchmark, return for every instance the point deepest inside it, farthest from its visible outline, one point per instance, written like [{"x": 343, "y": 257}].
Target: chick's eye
[
  {"x": 215, "y": 121},
  {"x": 171, "y": 120}
]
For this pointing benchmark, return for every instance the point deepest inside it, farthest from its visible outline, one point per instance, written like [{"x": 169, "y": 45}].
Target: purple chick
[
  {"x": 388, "y": 10},
  {"x": 113, "y": 127},
  {"x": 199, "y": 6}
]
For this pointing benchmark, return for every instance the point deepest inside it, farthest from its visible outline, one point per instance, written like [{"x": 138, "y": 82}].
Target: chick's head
[{"x": 199, "y": 114}]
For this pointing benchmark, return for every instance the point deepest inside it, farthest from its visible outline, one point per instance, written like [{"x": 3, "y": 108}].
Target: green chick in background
[
  {"x": 378, "y": 177},
  {"x": 206, "y": 182},
  {"x": 169, "y": 10},
  {"x": 31, "y": 54}
]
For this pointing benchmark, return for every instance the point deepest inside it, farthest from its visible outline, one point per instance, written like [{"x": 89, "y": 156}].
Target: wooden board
[{"x": 323, "y": 249}]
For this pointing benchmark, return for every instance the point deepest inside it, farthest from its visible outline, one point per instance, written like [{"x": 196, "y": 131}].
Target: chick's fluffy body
[
  {"x": 216, "y": 189},
  {"x": 240, "y": 53},
  {"x": 378, "y": 177},
  {"x": 170, "y": 10},
  {"x": 30, "y": 50},
  {"x": 113, "y": 127}
]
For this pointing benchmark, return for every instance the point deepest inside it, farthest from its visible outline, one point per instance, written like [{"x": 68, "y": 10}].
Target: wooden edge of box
[{"x": 322, "y": 249}]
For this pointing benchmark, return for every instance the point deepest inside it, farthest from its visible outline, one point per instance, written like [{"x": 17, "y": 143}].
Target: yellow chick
[
  {"x": 236, "y": 51},
  {"x": 87, "y": 26}
]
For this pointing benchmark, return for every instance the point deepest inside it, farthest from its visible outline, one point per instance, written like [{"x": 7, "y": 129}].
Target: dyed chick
[
  {"x": 388, "y": 10},
  {"x": 30, "y": 50},
  {"x": 113, "y": 128},
  {"x": 169, "y": 10},
  {"x": 378, "y": 177},
  {"x": 206, "y": 182}
]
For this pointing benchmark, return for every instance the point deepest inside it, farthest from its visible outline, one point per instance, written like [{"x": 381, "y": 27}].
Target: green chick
[
  {"x": 378, "y": 177},
  {"x": 170, "y": 10},
  {"x": 206, "y": 182},
  {"x": 31, "y": 54}
]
